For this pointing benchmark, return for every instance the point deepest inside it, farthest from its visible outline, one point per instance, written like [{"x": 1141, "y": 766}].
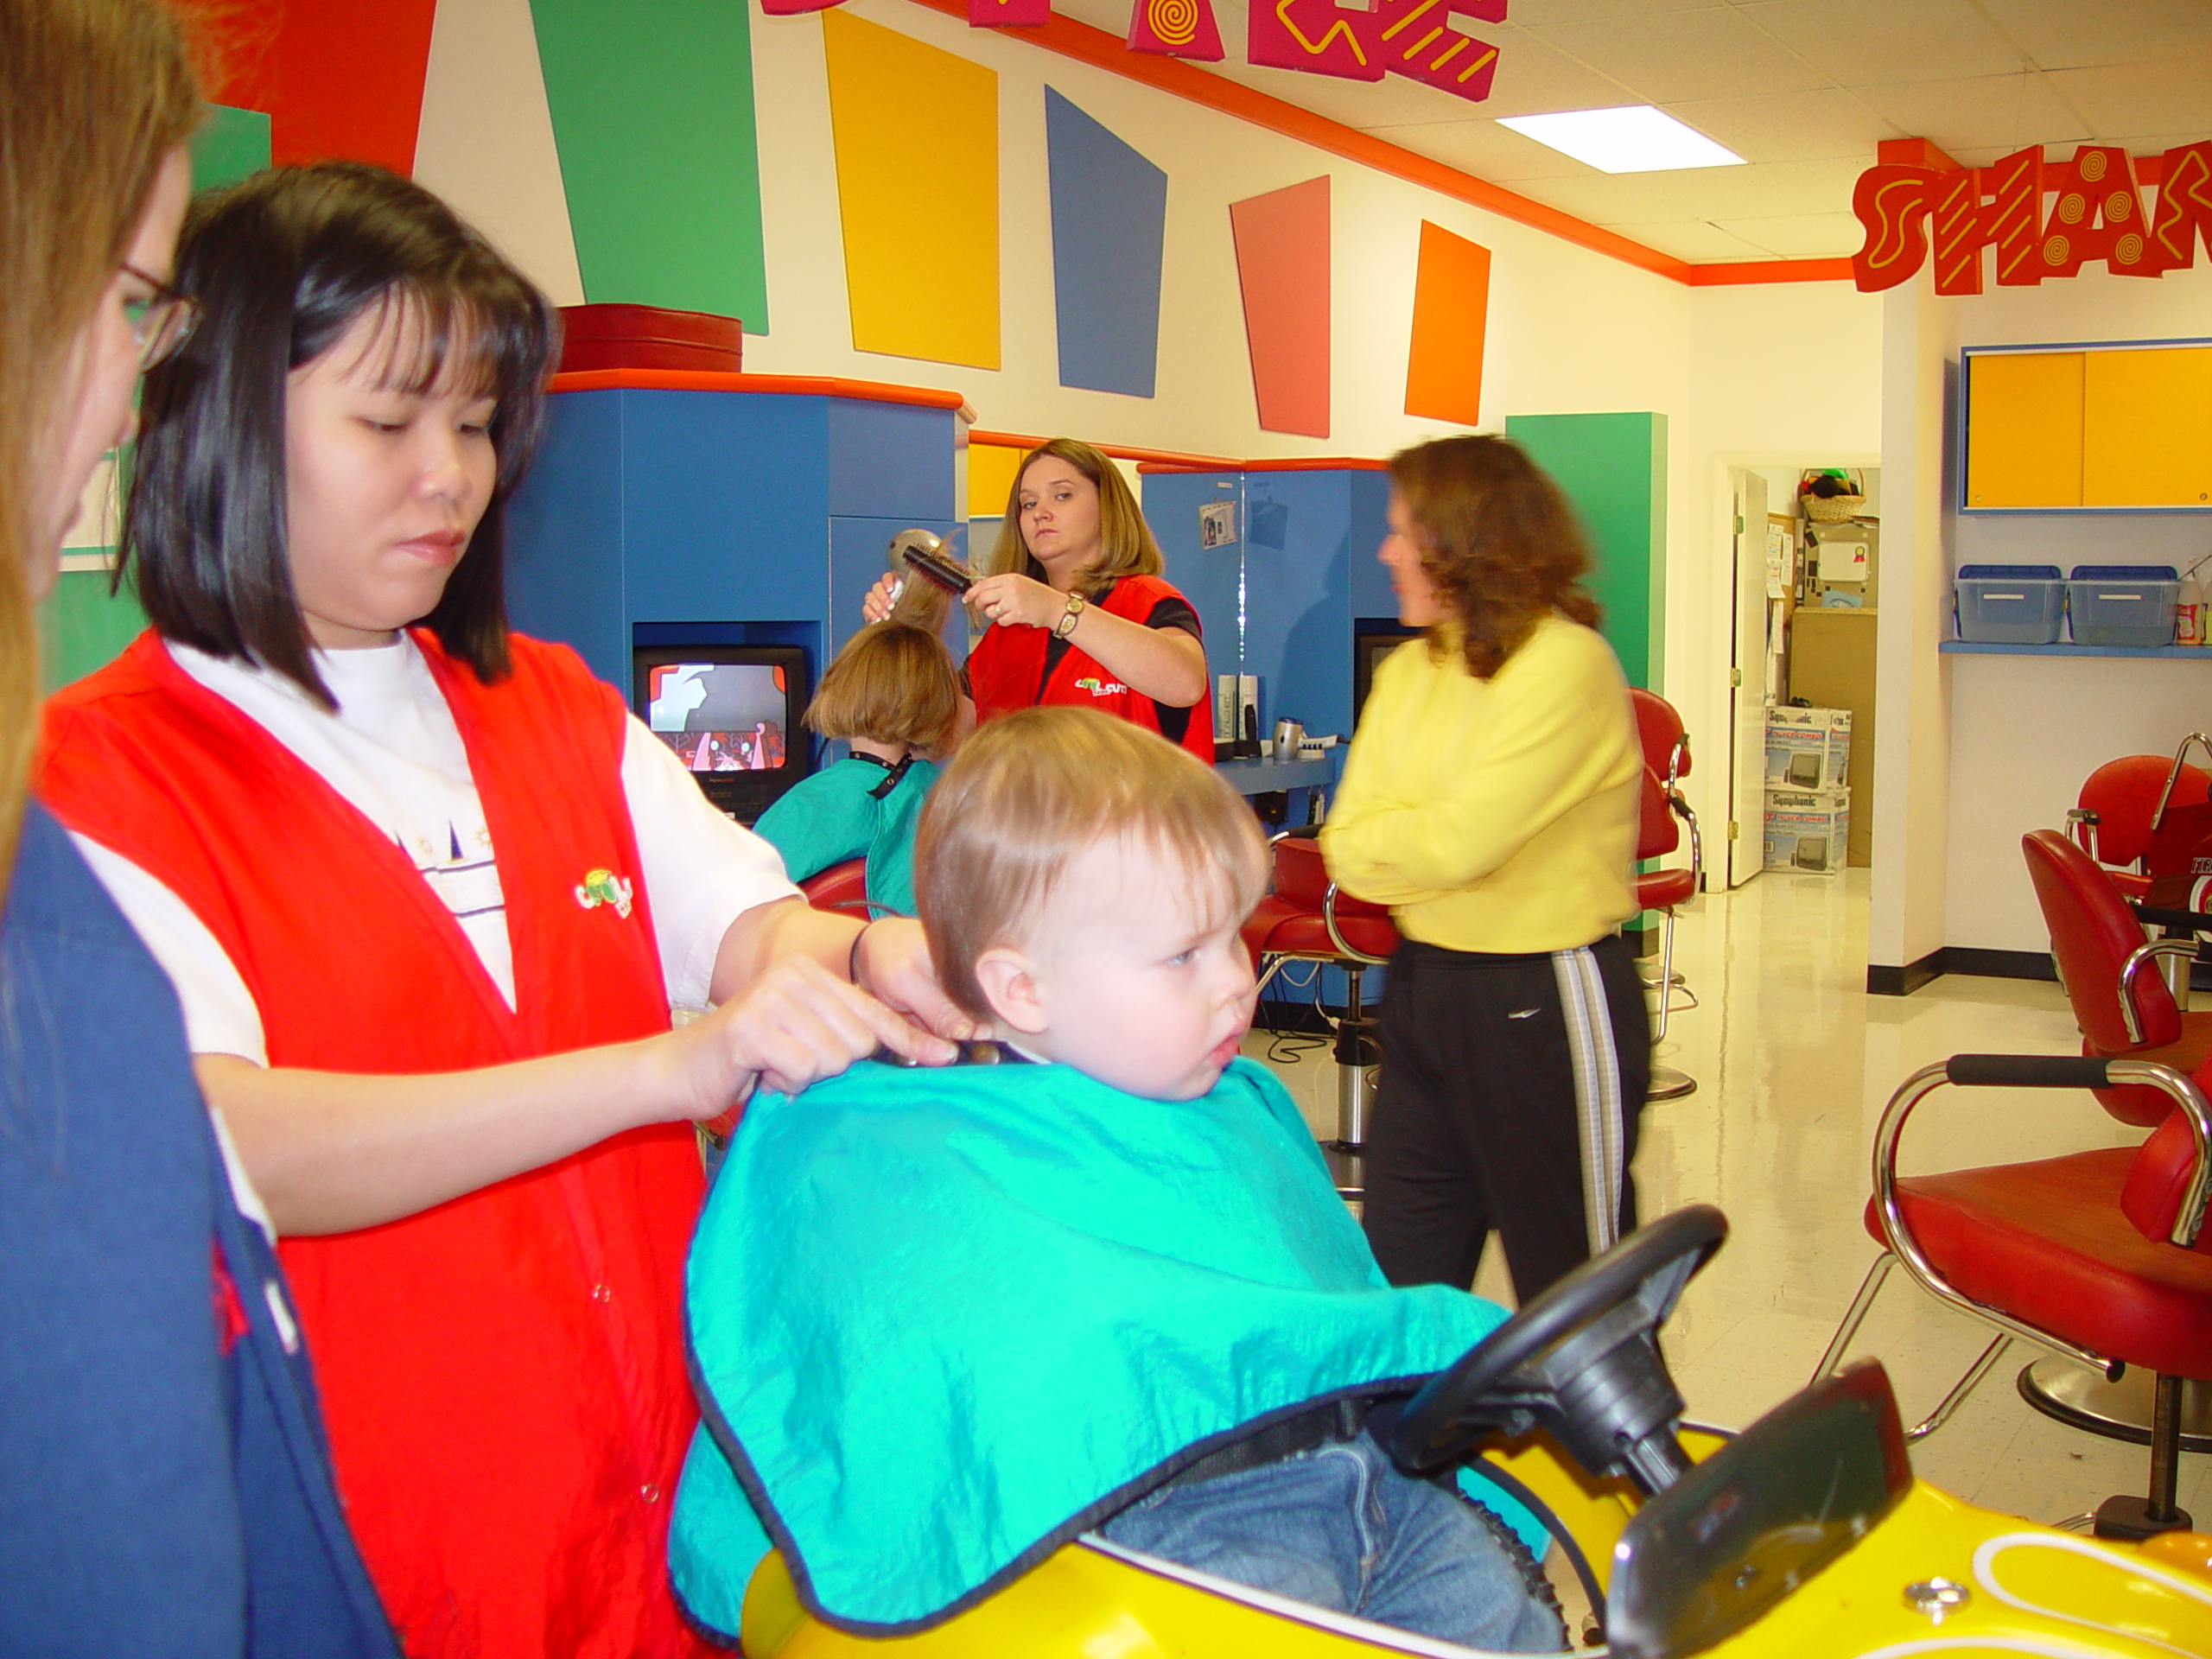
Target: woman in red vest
[
  {"x": 426, "y": 975},
  {"x": 1076, "y": 609}
]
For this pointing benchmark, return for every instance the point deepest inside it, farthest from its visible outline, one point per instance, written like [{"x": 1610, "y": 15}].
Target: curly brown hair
[{"x": 1498, "y": 539}]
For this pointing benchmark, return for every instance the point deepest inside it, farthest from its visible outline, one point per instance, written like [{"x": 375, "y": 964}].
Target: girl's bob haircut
[
  {"x": 283, "y": 265},
  {"x": 1126, "y": 546},
  {"x": 891, "y": 682}
]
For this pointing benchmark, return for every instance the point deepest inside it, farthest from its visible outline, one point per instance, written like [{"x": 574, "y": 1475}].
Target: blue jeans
[{"x": 1340, "y": 1528}]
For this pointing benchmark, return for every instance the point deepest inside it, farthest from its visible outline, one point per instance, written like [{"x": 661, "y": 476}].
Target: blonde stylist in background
[
  {"x": 1075, "y": 607},
  {"x": 1490, "y": 799},
  {"x": 163, "y": 1484}
]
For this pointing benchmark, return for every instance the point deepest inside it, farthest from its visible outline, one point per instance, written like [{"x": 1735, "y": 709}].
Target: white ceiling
[{"x": 1804, "y": 90}]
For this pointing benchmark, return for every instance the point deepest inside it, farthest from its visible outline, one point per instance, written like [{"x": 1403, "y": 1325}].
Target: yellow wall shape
[
  {"x": 990, "y": 479},
  {"x": 917, "y": 136},
  {"x": 2023, "y": 430},
  {"x": 2148, "y": 415}
]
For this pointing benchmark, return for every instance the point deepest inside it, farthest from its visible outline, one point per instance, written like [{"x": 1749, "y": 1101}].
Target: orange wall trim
[
  {"x": 1105, "y": 51},
  {"x": 1167, "y": 460},
  {"x": 1771, "y": 270},
  {"x": 788, "y": 385}
]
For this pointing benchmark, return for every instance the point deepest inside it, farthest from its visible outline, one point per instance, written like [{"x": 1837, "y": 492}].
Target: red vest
[
  {"x": 1006, "y": 664},
  {"x": 503, "y": 1376}
]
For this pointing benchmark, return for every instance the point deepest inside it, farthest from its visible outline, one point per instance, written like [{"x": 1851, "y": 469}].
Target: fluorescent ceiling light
[{"x": 1637, "y": 139}]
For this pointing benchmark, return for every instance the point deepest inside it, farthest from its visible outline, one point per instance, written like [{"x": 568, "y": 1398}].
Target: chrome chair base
[
  {"x": 2073, "y": 1394},
  {"x": 1667, "y": 1084},
  {"x": 1348, "y": 1169}
]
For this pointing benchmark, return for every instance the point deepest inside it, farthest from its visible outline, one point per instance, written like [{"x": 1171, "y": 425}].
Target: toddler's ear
[{"x": 1010, "y": 986}]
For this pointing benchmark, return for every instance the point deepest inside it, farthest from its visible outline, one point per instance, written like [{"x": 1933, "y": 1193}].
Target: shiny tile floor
[{"x": 1794, "y": 1063}]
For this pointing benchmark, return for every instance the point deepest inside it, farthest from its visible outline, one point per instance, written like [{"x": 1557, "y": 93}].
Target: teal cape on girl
[
  {"x": 943, "y": 1320},
  {"x": 854, "y": 808}
]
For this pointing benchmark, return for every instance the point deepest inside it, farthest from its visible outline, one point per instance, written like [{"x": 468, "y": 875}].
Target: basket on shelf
[{"x": 1832, "y": 509}]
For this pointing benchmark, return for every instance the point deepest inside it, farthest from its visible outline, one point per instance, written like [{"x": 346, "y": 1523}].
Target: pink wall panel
[{"x": 1282, "y": 266}]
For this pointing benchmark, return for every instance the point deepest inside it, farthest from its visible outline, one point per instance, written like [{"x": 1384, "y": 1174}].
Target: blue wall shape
[
  {"x": 677, "y": 516},
  {"x": 1109, "y": 220}
]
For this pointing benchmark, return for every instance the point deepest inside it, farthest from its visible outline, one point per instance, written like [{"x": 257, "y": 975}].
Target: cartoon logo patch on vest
[
  {"x": 1099, "y": 687},
  {"x": 604, "y": 887}
]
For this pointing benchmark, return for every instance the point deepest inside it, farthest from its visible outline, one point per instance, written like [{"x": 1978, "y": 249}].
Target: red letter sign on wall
[
  {"x": 1414, "y": 38},
  {"x": 2096, "y": 213},
  {"x": 1175, "y": 28}
]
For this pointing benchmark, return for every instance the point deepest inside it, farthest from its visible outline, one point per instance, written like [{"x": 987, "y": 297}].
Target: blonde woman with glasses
[{"x": 164, "y": 1482}]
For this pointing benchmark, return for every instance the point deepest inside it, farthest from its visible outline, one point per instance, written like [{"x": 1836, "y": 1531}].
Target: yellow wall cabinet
[{"x": 2094, "y": 428}]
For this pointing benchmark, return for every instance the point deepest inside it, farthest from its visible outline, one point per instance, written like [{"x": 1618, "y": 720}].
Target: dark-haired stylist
[
  {"x": 427, "y": 896},
  {"x": 1490, "y": 799},
  {"x": 1077, "y": 609}
]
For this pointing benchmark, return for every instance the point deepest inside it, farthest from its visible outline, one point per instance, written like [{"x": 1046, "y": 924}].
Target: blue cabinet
[{"x": 652, "y": 516}]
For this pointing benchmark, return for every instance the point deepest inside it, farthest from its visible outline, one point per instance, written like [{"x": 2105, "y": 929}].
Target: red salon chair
[
  {"x": 841, "y": 888},
  {"x": 2123, "y": 801},
  {"x": 1661, "y": 812},
  {"x": 2102, "y": 1255},
  {"x": 1306, "y": 918},
  {"x": 2100, "y": 952}
]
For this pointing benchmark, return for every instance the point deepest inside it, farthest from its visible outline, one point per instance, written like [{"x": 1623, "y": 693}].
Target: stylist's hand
[
  {"x": 795, "y": 1025},
  {"x": 894, "y": 960},
  {"x": 877, "y": 604},
  {"x": 1016, "y": 601}
]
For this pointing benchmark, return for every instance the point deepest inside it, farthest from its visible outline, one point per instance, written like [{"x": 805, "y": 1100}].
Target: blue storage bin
[
  {"x": 2122, "y": 604},
  {"x": 2009, "y": 604}
]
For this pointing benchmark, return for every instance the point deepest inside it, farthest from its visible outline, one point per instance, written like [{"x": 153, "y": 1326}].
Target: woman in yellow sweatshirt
[{"x": 1490, "y": 800}]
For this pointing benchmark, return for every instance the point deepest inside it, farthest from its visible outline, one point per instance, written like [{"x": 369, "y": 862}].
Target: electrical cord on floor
[{"x": 1289, "y": 1047}]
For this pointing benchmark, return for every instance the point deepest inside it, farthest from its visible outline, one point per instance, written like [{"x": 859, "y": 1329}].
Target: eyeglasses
[{"x": 160, "y": 321}]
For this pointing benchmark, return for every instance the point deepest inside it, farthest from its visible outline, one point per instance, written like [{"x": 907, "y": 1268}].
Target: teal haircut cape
[{"x": 943, "y": 1321}]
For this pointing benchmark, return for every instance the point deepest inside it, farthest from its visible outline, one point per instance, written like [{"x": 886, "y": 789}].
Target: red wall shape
[
  {"x": 336, "y": 78},
  {"x": 1282, "y": 268},
  {"x": 1314, "y": 36},
  {"x": 1009, "y": 14},
  {"x": 1176, "y": 28}
]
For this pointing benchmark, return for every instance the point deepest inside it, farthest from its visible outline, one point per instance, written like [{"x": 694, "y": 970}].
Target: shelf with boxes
[
  {"x": 1807, "y": 819},
  {"x": 2103, "y": 610}
]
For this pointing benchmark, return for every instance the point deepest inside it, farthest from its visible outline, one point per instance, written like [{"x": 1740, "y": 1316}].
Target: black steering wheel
[{"x": 1581, "y": 1360}]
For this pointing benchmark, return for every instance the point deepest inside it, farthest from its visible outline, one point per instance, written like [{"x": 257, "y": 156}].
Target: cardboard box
[
  {"x": 1807, "y": 748},
  {"x": 1807, "y": 830}
]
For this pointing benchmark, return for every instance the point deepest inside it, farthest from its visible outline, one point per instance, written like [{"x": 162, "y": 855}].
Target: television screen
[
  {"x": 730, "y": 713},
  {"x": 1372, "y": 641}
]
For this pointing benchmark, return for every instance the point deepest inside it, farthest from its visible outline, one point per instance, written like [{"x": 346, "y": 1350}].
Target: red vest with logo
[
  {"x": 1005, "y": 670},
  {"x": 503, "y": 1376}
]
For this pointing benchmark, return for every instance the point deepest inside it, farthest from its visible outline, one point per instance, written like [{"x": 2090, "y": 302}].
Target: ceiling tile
[
  {"x": 1865, "y": 42},
  {"x": 1801, "y": 236},
  {"x": 1692, "y": 239},
  {"x": 2003, "y": 111},
  {"x": 1536, "y": 78},
  {"x": 1791, "y": 126},
  {"x": 1682, "y": 56},
  {"x": 2168, "y": 96},
  {"x": 2068, "y": 33}
]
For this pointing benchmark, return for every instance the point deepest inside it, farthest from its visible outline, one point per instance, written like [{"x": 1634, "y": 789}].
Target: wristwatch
[{"x": 1065, "y": 625}]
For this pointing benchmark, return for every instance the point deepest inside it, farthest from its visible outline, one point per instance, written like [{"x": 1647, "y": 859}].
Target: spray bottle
[{"x": 2189, "y": 607}]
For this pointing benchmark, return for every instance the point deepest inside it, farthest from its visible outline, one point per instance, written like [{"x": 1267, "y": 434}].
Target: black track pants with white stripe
[{"x": 1508, "y": 1097}]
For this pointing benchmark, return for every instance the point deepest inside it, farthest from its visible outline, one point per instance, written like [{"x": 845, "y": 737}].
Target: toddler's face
[{"x": 1136, "y": 980}]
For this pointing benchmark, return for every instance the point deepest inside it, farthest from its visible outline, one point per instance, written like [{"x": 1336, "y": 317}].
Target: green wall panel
[
  {"x": 1613, "y": 468},
  {"x": 82, "y": 628},
  {"x": 233, "y": 144},
  {"x": 653, "y": 115}
]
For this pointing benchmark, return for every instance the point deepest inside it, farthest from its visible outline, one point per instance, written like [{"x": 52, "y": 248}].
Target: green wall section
[
  {"x": 1613, "y": 468},
  {"x": 234, "y": 143},
  {"x": 653, "y": 114},
  {"x": 81, "y": 626}
]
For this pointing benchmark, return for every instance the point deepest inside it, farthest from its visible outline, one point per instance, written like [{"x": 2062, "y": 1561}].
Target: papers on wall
[{"x": 1842, "y": 560}]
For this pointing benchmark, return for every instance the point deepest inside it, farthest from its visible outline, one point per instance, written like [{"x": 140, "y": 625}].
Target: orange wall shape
[
  {"x": 336, "y": 78},
  {"x": 1443, "y": 362}
]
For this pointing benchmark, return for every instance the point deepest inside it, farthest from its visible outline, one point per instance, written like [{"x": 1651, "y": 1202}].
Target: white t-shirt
[{"x": 393, "y": 752}]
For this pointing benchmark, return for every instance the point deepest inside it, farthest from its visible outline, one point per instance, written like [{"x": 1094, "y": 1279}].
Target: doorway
[{"x": 1804, "y": 612}]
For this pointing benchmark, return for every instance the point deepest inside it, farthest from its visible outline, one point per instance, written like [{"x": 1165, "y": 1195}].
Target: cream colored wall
[
  {"x": 1757, "y": 373},
  {"x": 2025, "y": 732}
]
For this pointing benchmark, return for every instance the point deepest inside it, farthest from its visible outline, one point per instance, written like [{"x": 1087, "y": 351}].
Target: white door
[{"x": 1745, "y": 837}]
